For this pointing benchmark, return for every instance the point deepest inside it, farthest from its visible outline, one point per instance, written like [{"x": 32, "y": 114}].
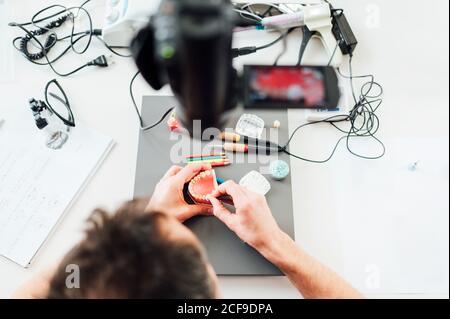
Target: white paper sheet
[
  {"x": 38, "y": 184},
  {"x": 394, "y": 219}
]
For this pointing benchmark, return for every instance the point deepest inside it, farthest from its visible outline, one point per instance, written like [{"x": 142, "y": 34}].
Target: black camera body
[{"x": 188, "y": 45}]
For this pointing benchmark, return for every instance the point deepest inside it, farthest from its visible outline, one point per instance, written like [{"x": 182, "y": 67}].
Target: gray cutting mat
[{"x": 226, "y": 252}]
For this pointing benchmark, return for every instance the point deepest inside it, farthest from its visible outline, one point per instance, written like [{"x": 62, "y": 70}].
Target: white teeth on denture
[{"x": 194, "y": 181}]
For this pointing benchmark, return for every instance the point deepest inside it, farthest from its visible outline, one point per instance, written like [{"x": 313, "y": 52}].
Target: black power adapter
[{"x": 343, "y": 32}]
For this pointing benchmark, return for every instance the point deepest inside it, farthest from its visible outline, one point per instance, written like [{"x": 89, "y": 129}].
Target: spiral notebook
[{"x": 38, "y": 185}]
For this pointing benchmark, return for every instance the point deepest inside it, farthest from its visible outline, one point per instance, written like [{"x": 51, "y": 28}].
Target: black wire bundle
[
  {"x": 141, "y": 121},
  {"x": 63, "y": 15},
  {"x": 362, "y": 120}
]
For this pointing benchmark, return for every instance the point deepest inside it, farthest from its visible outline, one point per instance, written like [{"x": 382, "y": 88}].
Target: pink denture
[{"x": 202, "y": 185}]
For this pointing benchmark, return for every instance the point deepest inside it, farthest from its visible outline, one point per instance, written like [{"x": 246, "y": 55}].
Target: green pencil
[{"x": 206, "y": 158}]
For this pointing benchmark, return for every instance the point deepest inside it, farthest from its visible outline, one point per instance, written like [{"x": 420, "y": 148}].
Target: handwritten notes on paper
[{"x": 38, "y": 184}]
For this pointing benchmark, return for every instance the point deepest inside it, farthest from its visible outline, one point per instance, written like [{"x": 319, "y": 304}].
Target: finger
[
  {"x": 221, "y": 212},
  {"x": 194, "y": 210},
  {"x": 229, "y": 188},
  {"x": 172, "y": 171},
  {"x": 190, "y": 171}
]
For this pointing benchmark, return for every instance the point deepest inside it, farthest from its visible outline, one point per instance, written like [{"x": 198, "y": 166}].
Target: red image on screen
[{"x": 289, "y": 85}]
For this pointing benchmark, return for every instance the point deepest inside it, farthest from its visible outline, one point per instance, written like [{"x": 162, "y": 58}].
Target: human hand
[
  {"x": 168, "y": 194},
  {"x": 254, "y": 224},
  {"x": 253, "y": 221},
  {"x": 38, "y": 286}
]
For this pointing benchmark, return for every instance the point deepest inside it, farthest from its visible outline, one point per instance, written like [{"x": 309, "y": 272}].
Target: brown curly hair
[{"x": 128, "y": 255}]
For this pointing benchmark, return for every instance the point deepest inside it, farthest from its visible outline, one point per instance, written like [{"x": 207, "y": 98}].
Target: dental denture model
[{"x": 202, "y": 185}]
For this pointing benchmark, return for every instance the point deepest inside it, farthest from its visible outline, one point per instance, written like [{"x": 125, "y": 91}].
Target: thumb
[{"x": 221, "y": 212}]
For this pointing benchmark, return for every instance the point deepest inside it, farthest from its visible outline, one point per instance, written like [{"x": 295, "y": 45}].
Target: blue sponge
[{"x": 279, "y": 170}]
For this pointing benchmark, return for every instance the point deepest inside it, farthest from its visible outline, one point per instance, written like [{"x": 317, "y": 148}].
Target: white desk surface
[{"x": 407, "y": 51}]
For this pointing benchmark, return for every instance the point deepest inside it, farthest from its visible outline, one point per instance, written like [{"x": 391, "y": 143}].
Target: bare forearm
[
  {"x": 310, "y": 277},
  {"x": 37, "y": 287}
]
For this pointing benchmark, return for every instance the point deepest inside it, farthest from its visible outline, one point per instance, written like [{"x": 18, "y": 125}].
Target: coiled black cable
[
  {"x": 62, "y": 15},
  {"x": 49, "y": 42}
]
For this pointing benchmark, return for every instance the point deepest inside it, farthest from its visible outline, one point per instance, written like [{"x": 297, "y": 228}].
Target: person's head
[{"x": 136, "y": 254}]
